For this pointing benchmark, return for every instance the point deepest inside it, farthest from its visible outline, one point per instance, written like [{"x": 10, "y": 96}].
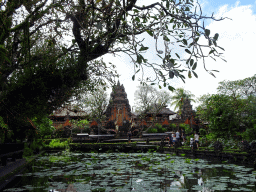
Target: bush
[
  {"x": 27, "y": 151},
  {"x": 152, "y": 130},
  {"x": 161, "y": 130},
  {"x": 218, "y": 146},
  {"x": 55, "y": 143},
  {"x": 186, "y": 127},
  {"x": 202, "y": 132}
]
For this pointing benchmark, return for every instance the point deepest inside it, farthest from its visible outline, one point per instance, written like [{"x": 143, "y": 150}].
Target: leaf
[
  {"x": 189, "y": 74},
  {"x": 143, "y": 48},
  {"x": 137, "y": 71},
  {"x": 164, "y": 84},
  {"x": 185, "y": 42},
  {"x": 176, "y": 73},
  {"x": 171, "y": 74},
  {"x": 64, "y": 49},
  {"x": 167, "y": 4},
  {"x": 211, "y": 51},
  {"x": 152, "y": 84},
  {"x": 187, "y": 9},
  {"x": 210, "y": 42},
  {"x": 194, "y": 66},
  {"x": 171, "y": 88},
  {"x": 207, "y": 32},
  {"x": 216, "y": 36},
  {"x": 97, "y": 1},
  {"x": 221, "y": 48},
  {"x": 214, "y": 42},
  {"x": 187, "y": 51},
  {"x": 212, "y": 74},
  {"x": 177, "y": 55},
  {"x": 73, "y": 41},
  {"x": 133, "y": 77},
  {"x": 137, "y": 19},
  {"x": 136, "y": 10},
  {"x": 139, "y": 58},
  {"x": 166, "y": 38},
  {"x": 150, "y": 33},
  {"x": 195, "y": 74},
  {"x": 191, "y": 62},
  {"x": 160, "y": 87}
]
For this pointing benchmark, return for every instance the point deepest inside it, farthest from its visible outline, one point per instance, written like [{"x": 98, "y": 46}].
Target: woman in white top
[{"x": 196, "y": 137}]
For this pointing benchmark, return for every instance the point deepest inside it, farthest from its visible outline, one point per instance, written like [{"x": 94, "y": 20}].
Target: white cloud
[{"x": 237, "y": 37}]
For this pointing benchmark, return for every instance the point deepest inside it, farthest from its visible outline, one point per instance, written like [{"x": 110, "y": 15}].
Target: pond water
[{"x": 132, "y": 172}]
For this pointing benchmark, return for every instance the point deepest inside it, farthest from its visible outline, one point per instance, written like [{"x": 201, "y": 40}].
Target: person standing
[
  {"x": 196, "y": 137},
  {"x": 129, "y": 134},
  {"x": 174, "y": 139},
  {"x": 178, "y": 136},
  {"x": 170, "y": 140}
]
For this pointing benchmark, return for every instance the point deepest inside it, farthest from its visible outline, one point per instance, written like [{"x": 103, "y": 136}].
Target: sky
[{"x": 236, "y": 36}]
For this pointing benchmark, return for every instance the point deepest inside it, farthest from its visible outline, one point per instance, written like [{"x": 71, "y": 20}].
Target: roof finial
[{"x": 118, "y": 83}]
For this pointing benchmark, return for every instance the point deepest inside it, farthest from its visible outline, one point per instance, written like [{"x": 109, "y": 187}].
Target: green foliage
[
  {"x": 202, "y": 132},
  {"x": 40, "y": 71},
  {"x": 152, "y": 130},
  {"x": 186, "y": 127},
  {"x": 179, "y": 95},
  {"x": 27, "y": 151},
  {"x": 80, "y": 126},
  {"x": 55, "y": 143},
  {"x": 249, "y": 134},
  {"x": 44, "y": 126},
  {"x": 157, "y": 129},
  {"x": 172, "y": 126},
  {"x": 223, "y": 115}
]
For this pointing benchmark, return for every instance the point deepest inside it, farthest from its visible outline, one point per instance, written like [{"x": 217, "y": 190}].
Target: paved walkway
[{"x": 11, "y": 166}]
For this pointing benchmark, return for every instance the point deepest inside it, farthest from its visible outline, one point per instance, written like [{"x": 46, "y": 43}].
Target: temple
[
  {"x": 120, "y": 119},
  {"x": 118, "y": 113}
]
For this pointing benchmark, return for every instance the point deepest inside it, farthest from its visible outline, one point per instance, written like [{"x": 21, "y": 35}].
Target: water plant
[{"x": 138, "y": 171}]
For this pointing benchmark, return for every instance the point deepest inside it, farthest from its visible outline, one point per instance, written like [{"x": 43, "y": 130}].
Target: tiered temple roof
[{"x": 119, "y": 109}]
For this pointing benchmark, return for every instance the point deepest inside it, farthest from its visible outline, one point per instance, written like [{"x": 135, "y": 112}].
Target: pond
[{"x": 150, "y": 171}]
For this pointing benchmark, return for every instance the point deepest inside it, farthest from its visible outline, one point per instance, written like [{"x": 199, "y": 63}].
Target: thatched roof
[
  {"x": 163, "y": 111},
  {"x": 62, "y": 112}
]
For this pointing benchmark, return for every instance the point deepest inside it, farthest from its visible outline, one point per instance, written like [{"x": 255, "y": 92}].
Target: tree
[
  {"x": 95, "y": 103},
  {"x": 223, "y": 114},
  {"x": 179, "y": 95},
  {"x": 145, "y": 97},
  {"x": 243, "y": 88},
  {"x": 148, "y": 99},
  {"x": 39, "y": 72},
  {"x": 44, "y": 126}
]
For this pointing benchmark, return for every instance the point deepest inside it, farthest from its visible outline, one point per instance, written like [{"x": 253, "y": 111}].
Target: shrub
[
  {"x": 218, "y": 146},
  {"x": 152, "y": 130},
  {"x": 159, "y": 126},
  {"x": 186, "y": 127},
  {"x": 27, "y": 151},
  {"x": 202, "y": 132},
  {"x": 55, "y": 143},
  {"x": 161, "y": 130}
]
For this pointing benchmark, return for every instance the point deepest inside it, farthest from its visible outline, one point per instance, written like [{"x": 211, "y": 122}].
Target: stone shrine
[{"x": 118, "y": 113}]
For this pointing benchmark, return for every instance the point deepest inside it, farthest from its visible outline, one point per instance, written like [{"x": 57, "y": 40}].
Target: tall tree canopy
[
  {"x": 179, "y": 95},
  {"x": 238, "y": 88},
  {"x": 48, "y": 48}
]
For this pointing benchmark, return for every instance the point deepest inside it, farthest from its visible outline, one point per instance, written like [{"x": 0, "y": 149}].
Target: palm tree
[{"x": 179, "y": 95}]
